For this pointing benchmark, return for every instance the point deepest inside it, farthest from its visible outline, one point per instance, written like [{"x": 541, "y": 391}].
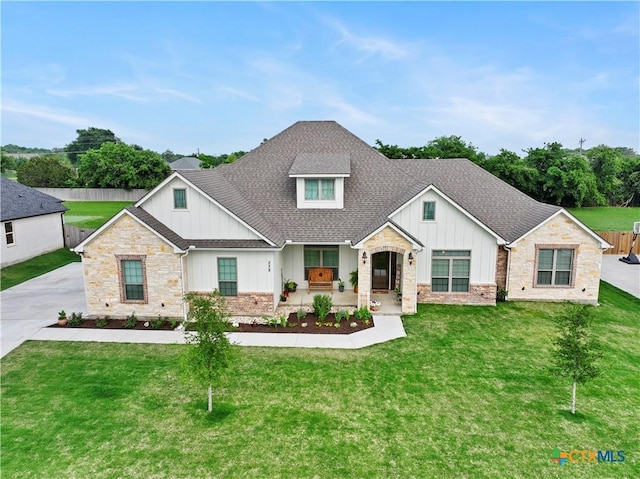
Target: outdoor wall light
[
  {"x": 364, "y": 257},
  {"x": 410, "y": 257}
]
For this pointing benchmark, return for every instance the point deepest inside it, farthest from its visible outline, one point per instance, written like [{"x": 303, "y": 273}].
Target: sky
[{"x": 218, "y": 77}]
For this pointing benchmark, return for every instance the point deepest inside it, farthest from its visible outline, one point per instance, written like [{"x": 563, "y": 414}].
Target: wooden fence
[
  {"x": 94, "y": 194},
  {"x": 621, "y": 241},
  {"x": 74, "y": 235}
]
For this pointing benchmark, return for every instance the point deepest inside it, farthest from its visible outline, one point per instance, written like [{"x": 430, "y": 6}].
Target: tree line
[{"x": 598, "y": 176}]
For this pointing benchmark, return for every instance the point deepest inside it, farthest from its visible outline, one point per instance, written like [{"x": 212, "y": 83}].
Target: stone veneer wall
[
  {"x": 559, "y": 231},
  {"x": 388, "y": 240},
  {"x": 502, "y": 263},
  {"x": 102, "y": 283},
  {"x": 251, "y": 304},
  {"x": 479, "y": 294}
]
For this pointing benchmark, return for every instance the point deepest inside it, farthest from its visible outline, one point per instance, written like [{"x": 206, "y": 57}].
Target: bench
[{"x": 320, "y": 278}]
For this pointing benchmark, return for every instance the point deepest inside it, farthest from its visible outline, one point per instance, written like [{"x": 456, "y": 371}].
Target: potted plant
[
  {"x": 398, "y": 294},
  {"x": 283, "y": 298},
  {"x": 340, "y": 285},
  {"x": 290, "y": 286},
  {"x": 62, "y": 318},
  {"x": 374, "y": 305},
  {"x": 353, "y": 279}
]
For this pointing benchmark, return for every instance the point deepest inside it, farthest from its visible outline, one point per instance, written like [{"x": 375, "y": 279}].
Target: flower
[
  {"x": 235, "y": 324},
  {"x": 374, "y": 304}
]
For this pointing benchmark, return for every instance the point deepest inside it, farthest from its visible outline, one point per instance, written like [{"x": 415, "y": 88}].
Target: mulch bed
[{"x": 294, "y": 326}]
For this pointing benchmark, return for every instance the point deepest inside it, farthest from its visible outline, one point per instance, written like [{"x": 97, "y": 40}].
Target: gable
[{"x": 201, "y": 219}]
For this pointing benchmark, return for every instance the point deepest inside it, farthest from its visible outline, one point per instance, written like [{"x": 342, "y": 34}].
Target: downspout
[{"x": 184, "y": 291}]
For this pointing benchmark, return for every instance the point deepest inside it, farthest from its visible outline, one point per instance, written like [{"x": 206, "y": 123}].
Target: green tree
[
  {"x": 118, "y": 165},
  {"x": 46, "y": 171},
  {"x": 208, "y": 161},
  {"x": 441, "y": 147},
  {"x": 91, "y": 138},
  {"x": 563, "y": 179},
  {"x": 629, "y": 176},
  {"x": 209, "y": 352},
  {"x": 6, "y": 162},
  {"x": 169, "y": 156},
  {"x": 509, "y": 167},
  {"x": 606, "y": 163},
  {"x": 575, "y": 352}
]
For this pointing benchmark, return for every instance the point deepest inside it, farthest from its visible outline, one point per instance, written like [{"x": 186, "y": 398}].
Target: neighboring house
[
  {"x": 315, "y": 195},
  {"x": 186, "y": 163},
  {"x": 31, "y": 222}
]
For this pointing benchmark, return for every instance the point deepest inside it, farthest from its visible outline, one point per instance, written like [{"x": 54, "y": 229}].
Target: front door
[{"x": 380, "y": 270}]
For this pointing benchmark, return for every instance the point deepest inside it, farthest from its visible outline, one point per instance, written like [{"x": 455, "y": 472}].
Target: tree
[
  {"x": 208, "y": 161},
  {"x": 442, "y": 147},
  {"x": 576, "y": 352},
  {"x": 92, "y": 138},
  {"x": 512, "y": 169},
  {"x": 6, "y": 162},
  {"x": 169, "y": 156},
  {"x": 118, "y": 165},
  {"x": 630, "y": 177},
  {"x": 605, "y": 163},
  {"x": 46, "y": 171},
  {"x": 209, "y": 353}
]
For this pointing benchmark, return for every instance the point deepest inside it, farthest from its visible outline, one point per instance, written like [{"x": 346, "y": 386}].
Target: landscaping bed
[{"x": 120, "y": 324}]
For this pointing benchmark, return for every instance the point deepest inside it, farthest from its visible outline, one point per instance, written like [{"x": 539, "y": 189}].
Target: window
[
  {"x": 319, "y": 189},
  {"x": 554, "y": 266},
  {"x": 321, "y": 256},
  {"x": 180, "y": 199},
  {"x": 228, "y": 276},
  {"x": 429, "y": 210},
  {"x": 8, "y": 233},
  {"x": 450, "y": 271},
  {"x": 133, "y": 285}
]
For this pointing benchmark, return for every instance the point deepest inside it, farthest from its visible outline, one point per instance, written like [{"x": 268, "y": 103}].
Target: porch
[{"x": 345, "y": 300}]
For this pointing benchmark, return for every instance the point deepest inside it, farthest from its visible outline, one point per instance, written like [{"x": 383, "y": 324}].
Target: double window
[
  {"x": 319, "y": 189},
  {"x": 180, "y": 199},
  {"x": 450, "y": 271},
  {"x": 133, "y": 284},
  {"x": 321, "y": 256},
  {"x": 9, "y": 234},
  {"x": 228, "y": 276},
  {"x": 554, "y": 266}
]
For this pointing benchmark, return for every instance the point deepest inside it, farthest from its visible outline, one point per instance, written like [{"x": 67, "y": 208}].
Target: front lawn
[
  {"x": 31, "y": 268},
  {"x": 464, "y": 395},
  {"x": 92, "y": 214},
  {"x": 607, "y": 218}
]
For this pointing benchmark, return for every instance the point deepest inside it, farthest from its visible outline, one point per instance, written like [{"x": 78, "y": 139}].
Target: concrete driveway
[
  {"x": 34, "y": 304},
  {"x": 621, "y": 275}
]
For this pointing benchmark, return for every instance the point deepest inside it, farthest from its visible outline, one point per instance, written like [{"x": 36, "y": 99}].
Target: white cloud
[
  {"x": 238, "y": 93},
  {"x": 370, "y": 45}
]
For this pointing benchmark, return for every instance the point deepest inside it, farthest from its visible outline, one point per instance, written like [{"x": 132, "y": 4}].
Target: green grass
[
  {"x": 607, "y": 218},
  {"x": 21, "y": 272},
  {"x": 92, "y": 214},
  {"x": 465, "y": 395}
]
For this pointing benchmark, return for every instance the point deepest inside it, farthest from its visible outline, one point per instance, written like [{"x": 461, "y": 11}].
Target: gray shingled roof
[
  {"x": 258, "y": 189},
  {"x": 186, "y": 163},
  {"x": 20, "y": 201},
  {"x": 321, "y": 164}
]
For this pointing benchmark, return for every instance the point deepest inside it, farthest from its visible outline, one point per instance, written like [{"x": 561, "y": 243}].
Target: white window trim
[{"x": 435, "y": 212}]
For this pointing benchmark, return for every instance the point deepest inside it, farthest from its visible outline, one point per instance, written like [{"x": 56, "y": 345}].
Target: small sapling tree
[
  {"x": 209, "y": 352},
  {"x": 576, "y": 352}
]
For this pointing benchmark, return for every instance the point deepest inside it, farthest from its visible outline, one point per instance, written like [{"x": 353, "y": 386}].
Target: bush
[
  {"x": 501, "y": 295},
  {"x": 322, "y": 305},
  {"x": 102, "y": 322},
  {"x": 158, "y": 323},
  {"x": 131, "y": 321},
  {"x": 342, "y": 315},
  {"x": 301, "y": 314},
  {"x": 76, "y": 319},
  {"x": 362, "y": 313}
]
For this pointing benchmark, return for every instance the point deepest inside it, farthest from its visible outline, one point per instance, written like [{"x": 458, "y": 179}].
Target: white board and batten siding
[
  {"x": 451, "y": 230},
  {"x": 201, "y": 219},
  {"x": 293, "y": 264},
  {"x": 32, "y": 237},
  {"x": 258, "y": 271}
]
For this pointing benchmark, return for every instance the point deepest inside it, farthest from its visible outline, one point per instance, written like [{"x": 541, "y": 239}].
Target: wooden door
[{"x": 380, "y": 271}]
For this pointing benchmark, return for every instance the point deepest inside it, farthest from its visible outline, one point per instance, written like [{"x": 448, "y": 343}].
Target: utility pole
[{"x": 582, "y": 140}]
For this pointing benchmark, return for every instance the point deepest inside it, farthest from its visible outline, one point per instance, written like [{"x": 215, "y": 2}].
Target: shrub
[
  {"x": 342, "y": 315},
  {"x": 362, "y": 313},
  {"x": 102, "y": 322},
  {"x": 322, "y": 305},
  {"x": 501, "y": 295},
  {"x": 131, "y": 321},
  {"x": 158, "y": 323},
  {"x": 76, "y": 319},
  {"x": 301, "y": 314}
]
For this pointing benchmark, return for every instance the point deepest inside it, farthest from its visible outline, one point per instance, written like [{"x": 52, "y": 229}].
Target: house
[
  {"x": 186, "y": 163},
  {"x": 315, "y": 195},
  {"x": 31, "y": 222}
]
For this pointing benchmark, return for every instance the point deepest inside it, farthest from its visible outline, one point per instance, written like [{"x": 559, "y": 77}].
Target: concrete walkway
[{"x": 386, "y": 328}]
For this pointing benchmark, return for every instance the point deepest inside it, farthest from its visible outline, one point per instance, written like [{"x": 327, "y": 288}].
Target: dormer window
[
  {"x": 316, "y": 189},
  {"x": 320, "y": 179}
]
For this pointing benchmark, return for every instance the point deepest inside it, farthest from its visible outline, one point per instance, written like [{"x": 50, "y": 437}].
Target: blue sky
[{"x": 220, "y": 77}]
